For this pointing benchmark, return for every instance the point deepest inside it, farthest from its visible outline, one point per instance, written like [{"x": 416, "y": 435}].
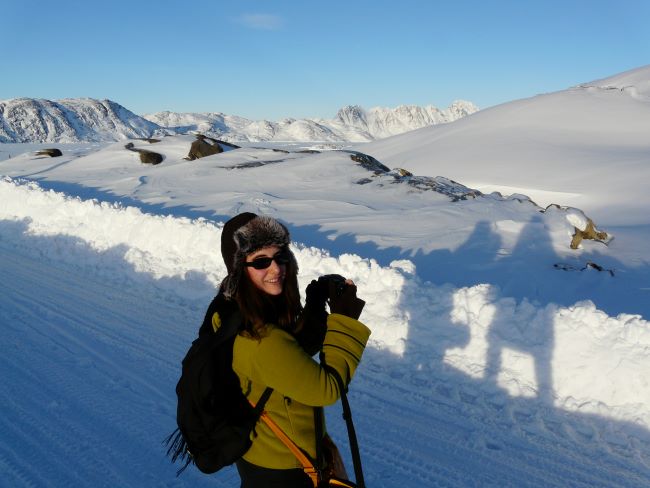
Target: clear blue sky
[{"x": 270, "y": 59}]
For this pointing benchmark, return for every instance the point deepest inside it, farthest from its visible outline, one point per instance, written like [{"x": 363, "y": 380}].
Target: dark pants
[{"x": 253, "y": 476}]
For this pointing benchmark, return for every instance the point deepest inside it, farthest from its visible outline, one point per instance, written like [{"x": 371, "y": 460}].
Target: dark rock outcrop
[
  {"x": 202, "y": 147},
  {"x": 53, "y": 152},
  {"x": 587, "y": 266},
  {"x": 382, "y": 176},
  {"x": 150, "y": 157},
  {"x": 146, "y": 157},
  {"x": 368, "y": 162}
]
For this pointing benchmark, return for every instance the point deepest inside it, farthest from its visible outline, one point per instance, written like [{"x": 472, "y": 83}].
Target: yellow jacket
[{"x": 298, "y": 381}]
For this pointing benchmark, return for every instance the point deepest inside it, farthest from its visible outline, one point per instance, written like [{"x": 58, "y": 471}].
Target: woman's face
[{"x": 270, "y": 280}]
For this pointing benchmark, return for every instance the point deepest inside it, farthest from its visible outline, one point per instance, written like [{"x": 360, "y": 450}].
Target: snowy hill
[
  {"x": 635, "y": 83},
  {"x": 70, "y": 120},
  {"x": 537, "y": 146},
  {"x": 500, "y": 356},
  {"x": 352, "y": 123}
]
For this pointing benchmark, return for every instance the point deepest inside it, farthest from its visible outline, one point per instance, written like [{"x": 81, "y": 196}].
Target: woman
[{"x": 270, "y": 349}]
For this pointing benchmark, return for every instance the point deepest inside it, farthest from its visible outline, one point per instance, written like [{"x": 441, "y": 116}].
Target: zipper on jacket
[{"x": 287, "y": 406}]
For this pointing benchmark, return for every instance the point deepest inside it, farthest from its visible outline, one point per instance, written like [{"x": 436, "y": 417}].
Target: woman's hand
[{"x": 345, "y": 303}]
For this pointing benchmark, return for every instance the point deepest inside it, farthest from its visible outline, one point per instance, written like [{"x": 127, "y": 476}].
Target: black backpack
[{"x": 214, "y": 417}]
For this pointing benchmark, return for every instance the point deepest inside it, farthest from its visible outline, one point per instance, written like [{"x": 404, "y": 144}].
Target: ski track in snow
[{"x": 91, "y": 350}]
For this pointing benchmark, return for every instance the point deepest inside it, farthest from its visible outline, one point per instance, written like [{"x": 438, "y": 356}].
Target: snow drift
[{"x": 556, "y": 148}]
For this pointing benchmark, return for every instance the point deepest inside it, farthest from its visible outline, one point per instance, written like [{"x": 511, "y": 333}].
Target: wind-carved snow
[{"x": 635, "y": 83}]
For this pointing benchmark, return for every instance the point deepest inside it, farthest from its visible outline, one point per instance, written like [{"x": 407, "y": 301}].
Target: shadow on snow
[
  {"x": 421, "y": 422},
  {"x": 527, "y": 273}
]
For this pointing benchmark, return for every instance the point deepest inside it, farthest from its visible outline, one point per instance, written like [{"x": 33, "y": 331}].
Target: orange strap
[
  {"x": 335, "y": 482},
  {"x": 307, "y": 466}
]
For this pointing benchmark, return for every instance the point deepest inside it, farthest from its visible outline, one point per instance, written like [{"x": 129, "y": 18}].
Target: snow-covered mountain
[
  {"x": 379, "y": 122},
  {"x": 86, "y": 119},
  {"x": 70, "y": 120},
  {"x": 351, "y": 124}
]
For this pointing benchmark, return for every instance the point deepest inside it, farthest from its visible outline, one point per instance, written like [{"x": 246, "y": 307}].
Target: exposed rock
[
  {"x": 363, "y": 181},
  {"x": 254, "y": 164},
  {"x": 146, "y": 157},
  {"x": 403, "y": 172},
  {"x": 583, "y": 226},
  {"x": 368, "y": 162},
  {"x": 53, "y": 153},
  {"x": 202, "y": 148},
  {"x": 382, "y": 176},
  {"x": 588, "y": 265},
  {"x": 150, "y": 157},
  {"x": 445, "y": 186},
  {"x": 590, "y": 232},
  {"x": 226, "y": 144},
  {"x": 439, "y": 184}
]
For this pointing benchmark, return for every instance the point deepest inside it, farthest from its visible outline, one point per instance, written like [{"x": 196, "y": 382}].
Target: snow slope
[
  {"x": 556, "y": 148},
  {"x": 99, "y": 302}
]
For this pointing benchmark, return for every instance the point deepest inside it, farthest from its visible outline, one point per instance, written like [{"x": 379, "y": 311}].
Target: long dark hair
[{"x": 259, "y": 308}]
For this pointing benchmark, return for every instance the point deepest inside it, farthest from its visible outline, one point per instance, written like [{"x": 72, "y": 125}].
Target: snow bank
[
  {"x": 576, "y": 358},
  {"x": 161, "y": 246},
  {"x": 165, "y": 247}
]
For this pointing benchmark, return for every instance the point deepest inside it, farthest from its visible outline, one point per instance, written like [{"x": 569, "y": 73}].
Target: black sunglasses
[{"x": 263, "y": 263}]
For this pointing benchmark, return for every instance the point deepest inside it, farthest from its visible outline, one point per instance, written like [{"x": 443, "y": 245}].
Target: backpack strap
[
  {"x": 318, "y": 427},
  {"x": 259, "y": 406}
]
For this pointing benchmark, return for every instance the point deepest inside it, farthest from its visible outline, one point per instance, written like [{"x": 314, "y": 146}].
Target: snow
[
  {"x": 498, "y": 357},
  {"x": 556, "y": 148}
]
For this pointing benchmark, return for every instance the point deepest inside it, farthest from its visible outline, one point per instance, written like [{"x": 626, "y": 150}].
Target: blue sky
[{"x": 271, "y": 59}]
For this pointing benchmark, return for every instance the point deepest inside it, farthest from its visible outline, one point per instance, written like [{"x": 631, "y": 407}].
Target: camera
[{"x": 339, "y": 284}]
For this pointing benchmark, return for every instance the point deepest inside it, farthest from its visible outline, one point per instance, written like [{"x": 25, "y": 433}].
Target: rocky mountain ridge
[
  {"x": 25, "y": 120},
  {"x": 352, "y": 123},
  {"x": 71, "y": 120}
]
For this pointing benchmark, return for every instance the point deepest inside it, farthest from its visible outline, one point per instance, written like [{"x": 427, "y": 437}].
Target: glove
[
  {"x": 345, "y": 303},
  {"x": 316, "y": 296},
  {"x": 313, "y": 320}
]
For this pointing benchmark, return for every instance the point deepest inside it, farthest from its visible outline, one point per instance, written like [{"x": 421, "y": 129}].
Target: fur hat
[{"x": 244, "y": 234}]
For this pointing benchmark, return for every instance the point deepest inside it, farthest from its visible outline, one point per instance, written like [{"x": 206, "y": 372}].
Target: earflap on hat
[{"x": 228, "y": 244}]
